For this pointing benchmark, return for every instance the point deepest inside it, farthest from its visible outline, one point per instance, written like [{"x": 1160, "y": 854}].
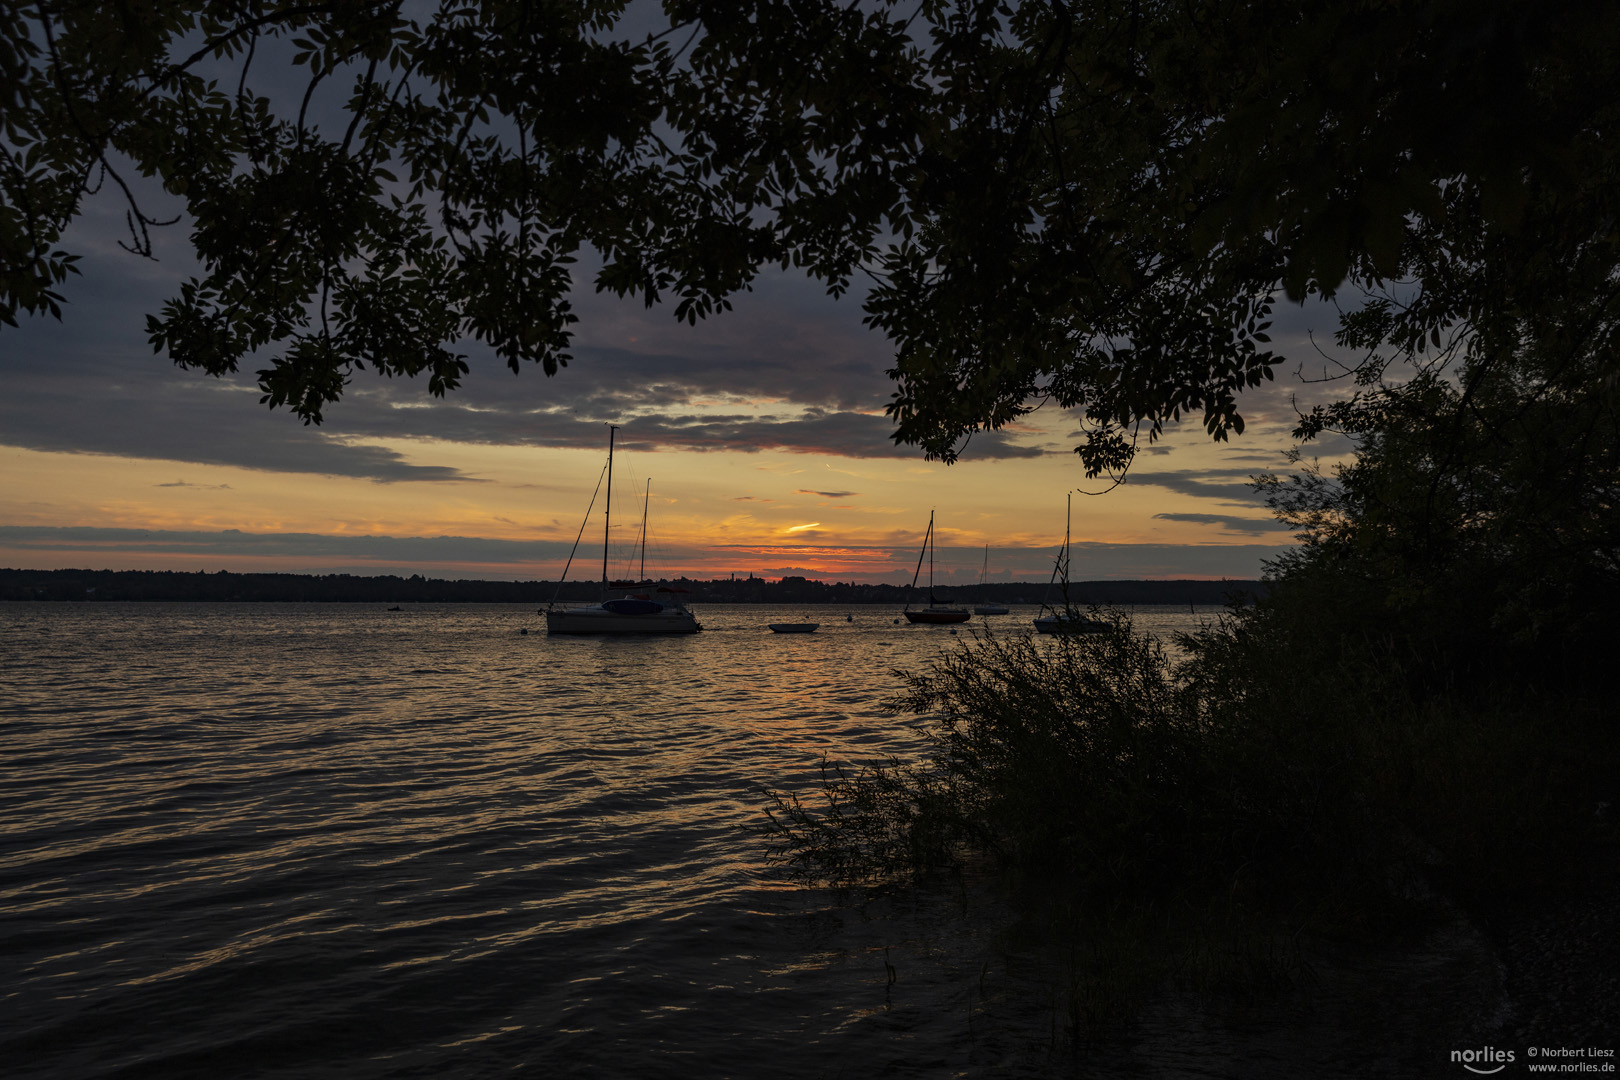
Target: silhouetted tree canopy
[{"x": 1094, "y": 202}]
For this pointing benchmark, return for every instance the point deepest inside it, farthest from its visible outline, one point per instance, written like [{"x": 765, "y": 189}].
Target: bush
[
  {"x": 1077, "y": 756},
  {"x": 1289, "y": 763}
]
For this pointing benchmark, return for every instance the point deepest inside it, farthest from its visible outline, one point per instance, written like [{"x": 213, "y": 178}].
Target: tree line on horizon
[{"x": 227, "y": 586}]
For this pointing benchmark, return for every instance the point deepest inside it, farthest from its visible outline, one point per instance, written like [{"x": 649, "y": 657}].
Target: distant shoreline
[{"x": 226, "y": 587}]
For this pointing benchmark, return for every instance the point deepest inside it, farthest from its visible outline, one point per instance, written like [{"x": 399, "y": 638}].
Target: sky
[{"x": 760, "y": 431}]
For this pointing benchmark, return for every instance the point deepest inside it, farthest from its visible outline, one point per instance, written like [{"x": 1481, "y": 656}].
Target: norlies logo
[{"x": 1476, "y": 1061}]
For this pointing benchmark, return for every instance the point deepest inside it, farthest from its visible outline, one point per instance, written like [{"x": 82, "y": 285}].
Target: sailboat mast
[
  {"x": 930, "y": 558},
  {"x": 645, "y": 499},
  {"x": 918, "y": 572},
  {"x": 607, "y": 514},
  {"x": 1068, "y": 515}
]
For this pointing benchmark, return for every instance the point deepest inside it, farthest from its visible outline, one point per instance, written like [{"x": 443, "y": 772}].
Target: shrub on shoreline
[{"x": 1281, "y": 766}]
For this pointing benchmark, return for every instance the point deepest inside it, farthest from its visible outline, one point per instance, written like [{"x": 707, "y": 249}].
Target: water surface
[{"x": 338, "y": 841}]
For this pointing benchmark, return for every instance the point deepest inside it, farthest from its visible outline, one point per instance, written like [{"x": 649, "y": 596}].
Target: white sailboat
[
  {"x": 626, "y": 607},
  {"x": 1067, "y": 620},
  {"x": 935, "y": 613},
  {"x": 984, "y": 579}
]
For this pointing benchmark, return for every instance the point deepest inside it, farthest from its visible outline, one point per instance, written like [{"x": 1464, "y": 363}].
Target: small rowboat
[{"x": 794, "y": 627}]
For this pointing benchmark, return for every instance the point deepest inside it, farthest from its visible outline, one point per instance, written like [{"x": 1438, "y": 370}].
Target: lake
[{"x": 337, "y": 841}]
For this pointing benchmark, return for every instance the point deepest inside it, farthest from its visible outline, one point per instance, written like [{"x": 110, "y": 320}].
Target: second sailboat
[{"x": 935, "y": 612}]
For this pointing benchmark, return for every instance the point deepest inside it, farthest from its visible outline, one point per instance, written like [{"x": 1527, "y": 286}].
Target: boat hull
[
  {"x": 600, "y": 620},
  {"x": 793, "y": 627},
  {"x": 938, "y": 616}
]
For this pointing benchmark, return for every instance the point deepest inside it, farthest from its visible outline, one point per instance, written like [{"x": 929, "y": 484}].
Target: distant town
[{"x": 224, "y": 586}]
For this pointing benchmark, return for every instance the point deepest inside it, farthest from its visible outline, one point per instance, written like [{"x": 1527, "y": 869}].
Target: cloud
[
  {"x": 821, "y": 432},
  {"x": 65, "y": 396},
  {"x": 1232, "y": 485},
  {"x": 788, "y": 371},
  {"x": 136, "y": 407},
  {"x": 827, "y": 494},
  {"x": 234, "y": 542},
  {"x": 1253, "y": 526},
  {"x": 1169, "y": 561},
  {"x": 829, "y": 434},
  {"x": 199, "y": 428},
  {"x": 784, "y": 340}
]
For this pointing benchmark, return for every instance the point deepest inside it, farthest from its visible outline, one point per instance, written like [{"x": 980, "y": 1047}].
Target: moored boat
[
  {"x": 793, "y": 627},
  {"x": 1065, "y": 620},
  {"x": 935, "y": 613},
  {"x": 631, "y": 613},
  {"x": 626, "y": 607},
  {"x": 1068, "y": 622}
]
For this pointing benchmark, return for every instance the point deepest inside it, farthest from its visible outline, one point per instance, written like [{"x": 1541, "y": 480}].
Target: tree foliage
[
  {"x": 1480, "y": 509},
  {"x": 1090, "y": 202}
]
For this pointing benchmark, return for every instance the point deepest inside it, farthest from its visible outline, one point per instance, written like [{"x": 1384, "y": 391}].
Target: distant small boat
[
  {"x": 396, "y": 609},
  {"x": 935, "y": 613},
  {"x": 794, "y": 627}
]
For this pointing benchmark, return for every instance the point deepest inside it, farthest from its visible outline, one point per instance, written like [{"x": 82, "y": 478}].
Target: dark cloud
[
  {"x": 1169, "y": 561},
  {"x": 194, "y": 424},
  {"x": 1232, "y": 485},
  {"x": 827, "y": 494},
  {"x": 1260, "y": 459},
  {"x": 1331, "y": 445},
  {"x": 89, "y": 386},
  {"x": 1254, "y": 526},
  {"x": 822, "y": 432},
  {"x": 465, "y": 550},
  {"x": 783, "y": 340}
]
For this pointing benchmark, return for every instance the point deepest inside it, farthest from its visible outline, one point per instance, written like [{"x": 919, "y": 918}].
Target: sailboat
[
  {"x": 935, "y": 612},
  {"x": 1067, "y": 621},
  {"x": 984, "y": 579},
  {"x": 626, "y": 607}
]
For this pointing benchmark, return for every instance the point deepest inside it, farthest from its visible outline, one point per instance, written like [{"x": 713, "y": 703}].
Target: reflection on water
[{"x": 329, "y": 840}]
